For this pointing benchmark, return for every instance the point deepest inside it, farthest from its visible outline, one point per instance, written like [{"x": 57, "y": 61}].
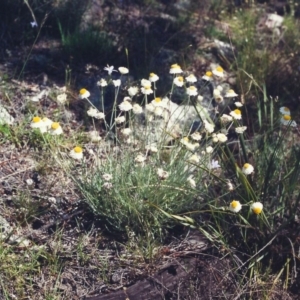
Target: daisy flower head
[
  {"x": 256, "y": 207},
  {"x": 200, "y": 98},
  {"x": 287, "y": 121},
  {"x": 36, "y": 122},
  {"x": 196, "y": 136},
  {"x": 153, "y": 77},
  {"x": 194, "y": 159},
  {"x": 217, "y": 95},
  {"x": 225, "y": 119},
  {"x": 76, "y": 153},
  {"x": 208, "y": 127},
  {"x": 218, "y": 72},
  {"x": 120, "y": 120},
  {"x": 55, "y": 129},
  {"x": 84, "y": 93},
  {"x": 62, "y": 98},
  {"x": 247, "y": 169},
  {"x": 102, "y": 82},
  {"x": 222, "y": 138},
  {"x": 235, "y": 206},
  {"x": 126, "y": 131},
  {"x": 140, "y": 158},
  {"x": 207, "y": 76},
  {"x": 236, "y": 114},
  {"x": 209, "y": 149},
  {"x": 192, "y": 90},
  {"x": 231, "y": 94},
  {"x": 238, "y": 104},
  {"x": 117, "y": 82},
  {"x": 162, "y": 174},
  {"x": 178, "y": 81},
  {"x": 109, "y": 69},
  {"x": 133, "y": 90},
  {"x": 175, "y": 69},
  {"x": 137, "y": 109},
  {"x": 285, "y": 110},
  {"x": 94, "y": 136},
  {"x": 123, "y": 70},
  {"x": 145, "y": 83},
  {"x": 125, "y": 106},
  {"x": 157, "y": 102},
  {"x": 95, "y": 113},
  {"x": 240, "y": 129},
  {"x": 191, "y": 78},
  {"x": 146, "y": 90}
]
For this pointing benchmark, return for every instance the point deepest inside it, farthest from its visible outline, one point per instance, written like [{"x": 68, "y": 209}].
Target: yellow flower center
[
  {"x": 55, "y": 125},
  {"x": 147, "y": 87},
  {"x": 175, "y": 66},
  {"x": 180, "y": 78},
  {"x": 186, "y": 139},
  {"x": 287, "y": 117},
  {"x": 208, "y": 73},
  {"x": 157, "y": 99},
  {"x": 234, "y": 204},
  {"x": 230, "y": 91},
  {"x": 82, "y": 91},
  {"x": 36, "y": 119},
  {"x": 192, "y": 87},
  {"x": 77, "y": 149},
  {"x": 246, "y": 166},
  {"x": 219, "y": 69},
  {"x": 237, "y": 112},
  {"x": 257, "y": 210},
  {"x": 152, "y": 74}
]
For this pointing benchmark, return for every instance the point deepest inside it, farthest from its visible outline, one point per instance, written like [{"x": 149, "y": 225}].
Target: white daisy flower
[
  {"x": 102, "y": 82},
  {"x": 145, "y": 83},
  {"x": 62, "y": 98},
  {"x": 208, "y": 76},
  {"x": 55, "y": 129},
  {"x": 256, "y": 207},
  {"x": 247, "y": 169},
  {"x": 162, "y": 174},
  {"x": 83, "y": 94},
  {"x": 178, "y": 81},
  {"x": 146, "y": 90},
  {"x": 209, "y": 149},
  {"x": 238, "y": 104},
  {"x": 196, "y": 136},
  {"x": 120, "y": 120},
  {"x": 94, "y": 136},
  {"x": 140, "y": 158},
  {"x": 208, "y": 127},
  {"x": 222, "y": 138},
  {"x": 117, "y": 82},
  {"x": 125, "y": 106},
  {"x": 137, "y": 109},
  {"x": 194, "y": 159},
  {"x": 200, "y": 98},
  {"x": 123, "y": 70},
  {"x": 153, "y": 77},
  {"x": 192, "y": 90},
  {"x": 285, "y": 110},
  {"x": 287, "y": 121},
  {"x": 76, "y": 153},
  {"x": 218, "y": 72},
  {"x": 235, "y": 206},
  {"x": 231, "y": 94},
  {"x": 126, "y": 131},
  {"x": 175, "y": 69},
  {"x": 191, "y": 78},
  {"x": 225, "y": 119},
  {"x": 240, "y": 129},
  {"x": 236, "y": 114},
  {"x": 95, "y": 113},
  {"x": 133, "y": 90}
]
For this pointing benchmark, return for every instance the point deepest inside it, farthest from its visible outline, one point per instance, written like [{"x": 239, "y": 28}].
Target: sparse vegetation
[{"x": 191, "y": 157}]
